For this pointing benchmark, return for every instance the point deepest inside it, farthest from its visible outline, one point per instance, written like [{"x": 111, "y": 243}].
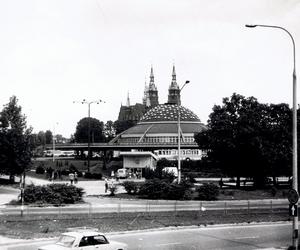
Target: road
[{"x": 241, "y": 237}]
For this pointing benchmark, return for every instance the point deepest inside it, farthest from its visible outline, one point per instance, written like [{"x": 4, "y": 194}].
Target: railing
[{"x": 149, "y": 206}]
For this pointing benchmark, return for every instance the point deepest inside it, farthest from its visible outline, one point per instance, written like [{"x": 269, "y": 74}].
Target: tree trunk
[
  {"x": 104, "y": 160},
  {"x": 274, "y": 181},
  {"x": 12, "y": 178},
  {"x": 238, "y": 181}
]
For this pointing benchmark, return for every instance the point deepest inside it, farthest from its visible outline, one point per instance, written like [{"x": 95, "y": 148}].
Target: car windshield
[{"x": 65, "y": 240}]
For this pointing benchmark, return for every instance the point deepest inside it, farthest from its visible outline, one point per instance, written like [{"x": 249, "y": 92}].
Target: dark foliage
[
  {"x": 90, "y": 175},
  {"x": 40, "y": 169},
  {"x": 131, "y": 187},
  {"x": 15, "y": 140},
  {"x": 121, "y": 126},
  {"x": 162, "y": 189},
  {"x": 96, "y": 130},
  {"x": 208, "y": 192},
  {"x": 53, "y": 194},
  {"x": 250, "y": 139}
]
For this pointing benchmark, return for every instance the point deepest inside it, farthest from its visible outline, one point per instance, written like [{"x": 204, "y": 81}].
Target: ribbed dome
[{"x": 168, "y": 112}]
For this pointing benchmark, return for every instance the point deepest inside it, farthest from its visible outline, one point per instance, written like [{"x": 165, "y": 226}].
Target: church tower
[
  {"x": 153, "y": 93},
  {"x": 174, "y": 91},
  {"x": 146, "y": 99}
]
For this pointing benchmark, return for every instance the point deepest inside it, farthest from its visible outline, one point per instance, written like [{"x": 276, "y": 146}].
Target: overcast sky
[{"x": 54, "y": 52}]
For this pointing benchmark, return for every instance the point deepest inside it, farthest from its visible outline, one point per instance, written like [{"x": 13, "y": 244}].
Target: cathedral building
[
  {"x": 157, "y": 124},
  {"x": 135, "y": 112}
]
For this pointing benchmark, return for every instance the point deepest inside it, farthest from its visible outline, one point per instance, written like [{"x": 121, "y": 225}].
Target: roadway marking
[
  {"x": 169, "y": 244},
  {"x": 246, "y": 237}
]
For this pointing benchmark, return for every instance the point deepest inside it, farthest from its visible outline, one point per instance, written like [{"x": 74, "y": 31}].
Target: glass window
[
  {"x": 100, "y": 239},
  {"x": 66, "y": 241}
]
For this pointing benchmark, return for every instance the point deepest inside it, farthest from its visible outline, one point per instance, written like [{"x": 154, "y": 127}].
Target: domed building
[{"x": 158, "y": 127}]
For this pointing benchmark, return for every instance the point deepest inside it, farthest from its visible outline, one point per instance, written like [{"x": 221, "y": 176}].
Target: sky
[{"x": 57, "y": 52}]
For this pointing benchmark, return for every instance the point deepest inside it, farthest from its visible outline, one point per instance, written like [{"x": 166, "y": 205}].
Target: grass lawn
[{"x": 29, "y": 227}]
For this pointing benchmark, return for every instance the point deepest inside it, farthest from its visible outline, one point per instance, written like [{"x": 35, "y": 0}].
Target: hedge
[{"x": 55, "y": 194}]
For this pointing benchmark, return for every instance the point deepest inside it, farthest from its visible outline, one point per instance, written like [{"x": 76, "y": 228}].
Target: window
[
  {"x": 65, "y": 240},
  {"x": 100, "y": 239}
]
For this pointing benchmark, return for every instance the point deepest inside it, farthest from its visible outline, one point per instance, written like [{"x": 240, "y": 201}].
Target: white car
[{"x": 84, "y": 240}]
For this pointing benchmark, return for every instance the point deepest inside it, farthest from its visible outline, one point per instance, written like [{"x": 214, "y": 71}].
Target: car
[
  {"x": 84, "y": 240},
  {"x": 122, "y": 173}
]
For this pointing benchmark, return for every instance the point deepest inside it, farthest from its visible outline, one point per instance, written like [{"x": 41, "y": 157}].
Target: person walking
[
  {"x": 75, "y": 178},
  {"x": 71, "y": 177},
  {"x": 106, "y": 185}
]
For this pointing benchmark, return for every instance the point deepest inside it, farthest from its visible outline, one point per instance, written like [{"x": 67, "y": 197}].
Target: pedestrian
[
  {"x": 106, "y": 185},
  {"x": 75, "y": 177},
  {"x": 71, "y": 177},
  {"x": 221, "y": 183}
]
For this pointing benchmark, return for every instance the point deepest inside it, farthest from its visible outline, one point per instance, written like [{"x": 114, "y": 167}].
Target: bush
[
  {"x": 162, "y": 189},
  {"x": 208, "y": 192},
  {"x": 158, "y": 173},
  {"x": 73, "y": 169},
  {"x": 40, "y": 169},
  {"x": 65, "y": 172},
  {"x": 112, "y": 189},
  {"x": 90, "y": 175},
  {"x": 131, "y": 187},
  {"x": 154, "y": 189},
  {"x": 273, "y": 191},
  {"x": 53, "y": 194}
]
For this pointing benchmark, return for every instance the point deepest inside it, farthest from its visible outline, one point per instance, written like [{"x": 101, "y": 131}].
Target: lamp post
[
  {"x": 84, "y": 101},
  {"x": 53, "y": 141},
  {"x": 295, "y": 167},
  {"x": 179, "y": 132}
]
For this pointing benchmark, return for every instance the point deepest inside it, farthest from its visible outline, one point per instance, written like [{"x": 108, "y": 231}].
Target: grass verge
[{"x": 43, "y": 226}]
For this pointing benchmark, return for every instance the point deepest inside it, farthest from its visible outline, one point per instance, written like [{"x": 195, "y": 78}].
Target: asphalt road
[{"x": 241, "y": 237}]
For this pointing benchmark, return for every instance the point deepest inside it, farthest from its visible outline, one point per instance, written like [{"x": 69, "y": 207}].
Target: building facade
[{"x": 159, "y": 124}]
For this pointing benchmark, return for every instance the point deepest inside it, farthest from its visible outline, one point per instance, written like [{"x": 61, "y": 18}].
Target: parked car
[
  {"x": 84, "y": 240},
  {"x": 122, "y": 173}
]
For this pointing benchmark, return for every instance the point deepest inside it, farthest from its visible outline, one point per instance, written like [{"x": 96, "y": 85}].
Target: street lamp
[
  {"x": 84, "y": 101},
  {"x": 295, "y": 167},
  {"x": 179, "y": 131},
  {"x": 53, "y": 142}
]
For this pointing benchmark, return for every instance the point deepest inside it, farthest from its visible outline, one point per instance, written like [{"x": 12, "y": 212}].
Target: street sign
[
  {"x": 293, "y": 210},
  {"x": 293, "y": 196}
]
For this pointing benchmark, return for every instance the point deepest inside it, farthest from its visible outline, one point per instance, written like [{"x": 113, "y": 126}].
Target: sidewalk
[{"x": 90, "y": 187}]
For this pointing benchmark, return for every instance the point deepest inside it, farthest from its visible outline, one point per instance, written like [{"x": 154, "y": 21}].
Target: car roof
[{"x": 77, "y": 234}]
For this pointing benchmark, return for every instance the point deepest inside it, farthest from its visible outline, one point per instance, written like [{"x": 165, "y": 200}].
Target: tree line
[{"x": 245, "y": 138}]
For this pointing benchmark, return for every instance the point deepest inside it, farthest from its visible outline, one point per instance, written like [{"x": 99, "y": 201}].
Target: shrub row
[
  {"x": 162, "y": 189},
  {"x": 53, "y": 194}
]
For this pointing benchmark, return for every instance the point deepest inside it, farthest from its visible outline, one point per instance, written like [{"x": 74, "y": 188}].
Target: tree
[
  {"x": 121, "y": 126},
  {"x": 109, "y": 130},
  {"x": 96, "y": 130},
  {"x": 49, "y": 137},
  {"x": 247, "y": 138},
  {"x": 41, "y": 138},
  {"x": 15, "y": 140}
]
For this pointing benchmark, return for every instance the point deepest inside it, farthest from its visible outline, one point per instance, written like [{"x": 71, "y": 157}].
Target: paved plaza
[{"x": 91, "y": 188}]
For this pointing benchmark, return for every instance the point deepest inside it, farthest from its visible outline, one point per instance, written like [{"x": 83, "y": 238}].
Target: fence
[{"x": 245, "y": 207}]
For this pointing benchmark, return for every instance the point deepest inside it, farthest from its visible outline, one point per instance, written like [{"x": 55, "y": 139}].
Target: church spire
[
  {"x": 152, "y": 91},
  {"x": 128, "y": 100},
  {"x": 146, "y": 100},
  {"x": 174, "y": 92},
  {"x": 174, "y": 82},
  {"x": 151, "y": 84}
]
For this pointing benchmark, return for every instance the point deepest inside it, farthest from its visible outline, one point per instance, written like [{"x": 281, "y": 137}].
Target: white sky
[{"x": 54, "y": 52}]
